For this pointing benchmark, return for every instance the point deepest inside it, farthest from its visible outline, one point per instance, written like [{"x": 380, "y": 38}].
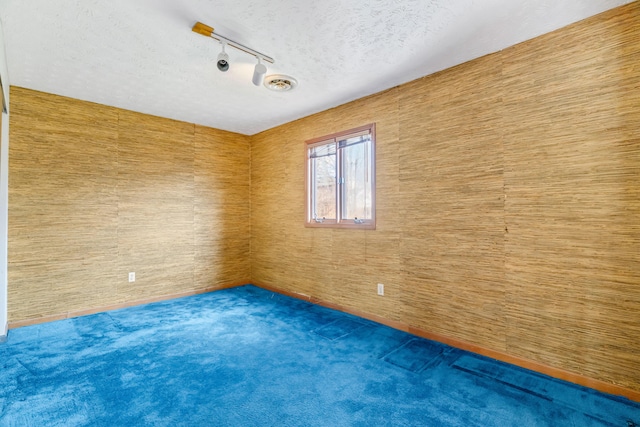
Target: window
[{"x": 341, "y": 179}]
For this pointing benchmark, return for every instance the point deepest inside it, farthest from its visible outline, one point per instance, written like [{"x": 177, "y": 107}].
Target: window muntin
[{"x": 341, "y": 179}]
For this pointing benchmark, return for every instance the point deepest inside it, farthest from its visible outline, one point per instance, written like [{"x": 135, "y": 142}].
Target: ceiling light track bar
[{"x": 205, "y": 30}]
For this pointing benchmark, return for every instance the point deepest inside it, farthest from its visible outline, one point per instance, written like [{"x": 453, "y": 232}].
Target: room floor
[{"x": 249, "y": 357}]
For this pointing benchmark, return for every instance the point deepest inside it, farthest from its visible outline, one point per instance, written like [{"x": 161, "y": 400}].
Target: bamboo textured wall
[
  {"x": 96, "y": 192},
  {"x": 508, "y": 203}
]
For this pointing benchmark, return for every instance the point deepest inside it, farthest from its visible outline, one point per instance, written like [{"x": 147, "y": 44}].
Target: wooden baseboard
[
  {"x": 85, "y": 312},
  {"x": 561, "y": 374}
]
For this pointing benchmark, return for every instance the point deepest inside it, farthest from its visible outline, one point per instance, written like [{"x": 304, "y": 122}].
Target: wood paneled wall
[
  {"x": 508, "y": 203},
  {"x": 97, "y": 192}
]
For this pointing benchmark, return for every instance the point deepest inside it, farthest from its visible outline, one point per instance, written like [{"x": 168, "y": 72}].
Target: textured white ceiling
[{"x": 141, "y": 55}]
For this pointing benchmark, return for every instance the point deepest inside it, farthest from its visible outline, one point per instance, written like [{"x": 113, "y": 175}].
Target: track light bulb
[
  {"x": 258, "y": 73},
  {"x": 223, "y": 60}
]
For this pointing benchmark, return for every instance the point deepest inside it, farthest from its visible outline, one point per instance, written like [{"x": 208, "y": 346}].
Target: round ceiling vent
[{"x": 280, "y": 82}]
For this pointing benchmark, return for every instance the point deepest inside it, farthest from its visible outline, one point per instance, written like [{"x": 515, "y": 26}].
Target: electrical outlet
[
  {"x": 380, "y": 289},
  {"x": 132, "y": 277}
]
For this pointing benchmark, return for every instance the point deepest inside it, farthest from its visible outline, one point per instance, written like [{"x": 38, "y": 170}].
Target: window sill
[{"x": 353, "y": 226}]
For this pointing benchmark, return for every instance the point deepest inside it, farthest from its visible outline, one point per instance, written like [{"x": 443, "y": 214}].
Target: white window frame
[{"x": 339, "y": 222}]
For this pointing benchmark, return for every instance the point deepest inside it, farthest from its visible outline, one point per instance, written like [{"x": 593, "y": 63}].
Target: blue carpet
[
  {"x": 415, "y": 355},
  {"x": 338, "y": 328},
  {"x": 249, "y": 357}
]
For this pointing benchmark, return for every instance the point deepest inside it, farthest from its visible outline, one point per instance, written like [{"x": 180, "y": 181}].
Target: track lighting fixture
[
  {"x": 258, "y": 73},
  {"x": 223, "y": 59}
]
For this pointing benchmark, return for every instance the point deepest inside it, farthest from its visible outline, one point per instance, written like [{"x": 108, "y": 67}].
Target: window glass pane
[
  {"x": 356, "y": 198},
  {"x": 354, "y": 140},
  {"x": 322, "y": 150},
  {"x": 323, "y": 166}
]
